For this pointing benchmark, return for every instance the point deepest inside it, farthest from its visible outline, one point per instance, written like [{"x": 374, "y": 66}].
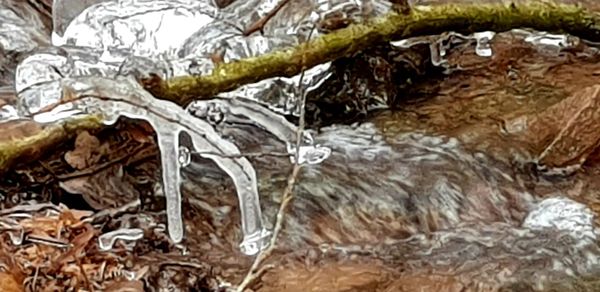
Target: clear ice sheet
[
  {"x": 131, "y": 26},
  {"x": 36, "y": 75},
  {"x": 64, "y": 11},
  {"x": 20, "y": 31}
]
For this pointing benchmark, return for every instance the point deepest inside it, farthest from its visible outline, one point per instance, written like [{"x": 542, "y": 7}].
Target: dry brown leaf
[
  {"x": 8, "y": 283},
  {"x": 18, "y": 129},
  {"x": 141, "y": 133},
  {"x": 570, "y": 129},
  {"x": 79, "y": 244},
  {"x": 87, "y": 152},
  {"x": 125, "y": 286},
  {"x": 107, "y": 188},
  {"x": 39, "y": 224}
]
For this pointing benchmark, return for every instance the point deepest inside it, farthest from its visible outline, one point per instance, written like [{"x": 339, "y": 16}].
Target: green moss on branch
[
  {"x": 35, "y": 142},
  {"x": 463, "y": 18}
]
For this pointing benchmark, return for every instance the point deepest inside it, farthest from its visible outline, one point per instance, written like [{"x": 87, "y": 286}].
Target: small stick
[
  {"x": 260, "y": 24},
  {"x": 254, "y": 272}
]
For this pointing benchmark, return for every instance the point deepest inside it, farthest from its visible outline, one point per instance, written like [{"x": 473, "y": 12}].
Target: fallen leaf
[
  {"x": 18, "y": 129},
  {"x": 79, "y": 243},
  {"x": 570, "y": 129},
  {"x": 87, "y": 152},
  {"x": 126, "y": 286},
  {"x": 107, "y": 188},
  {"x": 8, "y": 283},
  {"x": 141, "y": 132}
]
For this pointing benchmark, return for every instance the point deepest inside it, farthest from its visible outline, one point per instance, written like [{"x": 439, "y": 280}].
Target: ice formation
[
  {"x": 107, "y": 240},
  {"x": 563, "y": 214},
  {"x": 116, "y": 40},
  {"x": 240, "y": 111},
  {"x": 124, "y": 97}
]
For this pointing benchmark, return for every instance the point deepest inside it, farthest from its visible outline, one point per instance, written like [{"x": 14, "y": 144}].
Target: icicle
[
  {"x": 185, "y": 156},
  {"x": 125, "y": 97},
  {"x": 483, "y": 47}
]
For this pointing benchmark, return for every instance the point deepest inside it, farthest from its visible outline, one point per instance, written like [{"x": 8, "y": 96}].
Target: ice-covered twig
[
  {"x": 234, "y": 111},
  {"x": 126, "y": 98},
  {"x": 240, "y": 111}
]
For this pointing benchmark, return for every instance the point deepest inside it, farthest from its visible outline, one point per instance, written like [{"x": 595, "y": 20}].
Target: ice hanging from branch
[
  {"x": 126, "y": 45},
  {"x": 124, "y": 97}
]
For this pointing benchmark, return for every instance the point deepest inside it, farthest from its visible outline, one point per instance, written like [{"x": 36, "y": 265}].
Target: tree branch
[
  {"x": 429, "y": 20},
  {"x": 464, "y": 18},
  {"x": 31, "y": 144}
]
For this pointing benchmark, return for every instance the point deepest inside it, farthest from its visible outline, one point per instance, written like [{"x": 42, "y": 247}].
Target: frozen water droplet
[
  {"x": 308, "y": 138},
  {"x": 16, "y": 236},
  {"x": 310, "y": 154},
  {"x": 107, "y": 240},
  {"x": 255, "y": 243},
  {"x": 549, "y": 43},
  {"x": 547, "y": 39},
  {"x": 483, "y": 47},
  {"x": 185, "y": 156},
  {"x": 213, "y": 112}
]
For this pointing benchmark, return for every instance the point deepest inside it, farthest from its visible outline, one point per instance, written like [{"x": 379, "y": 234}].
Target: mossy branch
[
  {"x": 465, "y": 18},
  {"x": 422, "y": 20}
]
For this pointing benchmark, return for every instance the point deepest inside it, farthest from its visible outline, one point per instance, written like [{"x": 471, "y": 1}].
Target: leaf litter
[{"x": 49, "y": 248}]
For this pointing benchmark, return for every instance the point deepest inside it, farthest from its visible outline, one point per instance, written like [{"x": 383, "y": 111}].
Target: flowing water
[
  {"x": 440, "y": 193},
  {"x": 437, "y": 194}
]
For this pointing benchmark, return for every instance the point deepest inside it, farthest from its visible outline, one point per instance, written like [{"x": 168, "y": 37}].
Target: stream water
[{"x": 441, "y": 192}]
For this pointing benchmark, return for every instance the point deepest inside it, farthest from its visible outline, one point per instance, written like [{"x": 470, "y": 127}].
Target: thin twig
[
  {"x": 260, "y": 24},
  {"x": 94, "y": 169},
  {"x": 255, "y": 271}
]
